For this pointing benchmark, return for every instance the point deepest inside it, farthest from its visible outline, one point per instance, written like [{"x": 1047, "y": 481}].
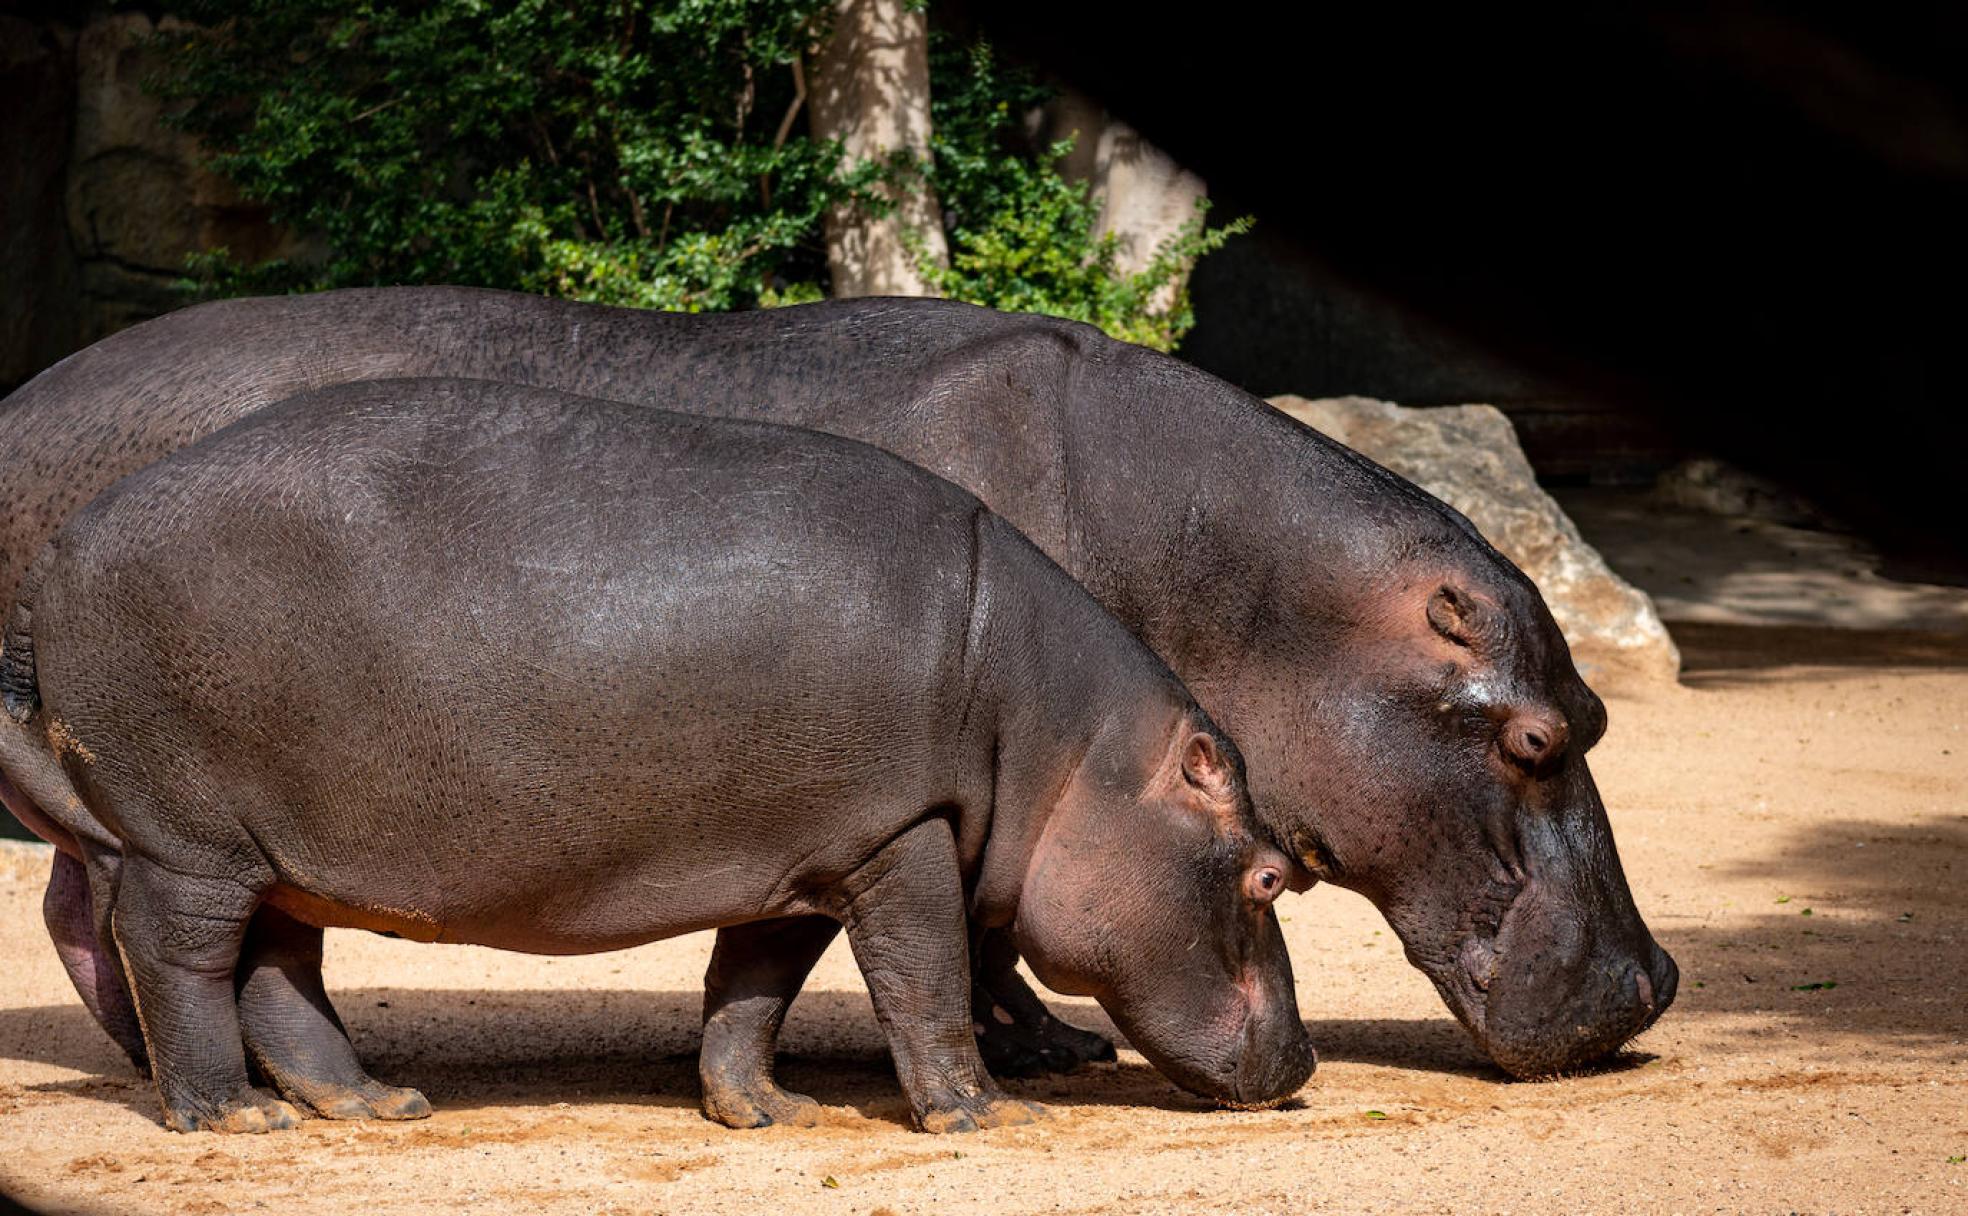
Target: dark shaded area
[
  {"x": 1272, "y": 322},
  {"x": 1741, "y": 219},
  {"x": 39, "y": 322},
  {"x": 1714, "y": 654}
]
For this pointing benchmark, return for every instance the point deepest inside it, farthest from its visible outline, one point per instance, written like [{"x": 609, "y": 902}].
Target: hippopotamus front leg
[
  {"x": 293, "y": 1036},
  {"x": 1016, "y": 1034},
  {"x": 756, "y": 970},
  {"x": 905, "y": 917},
  {"x": 86, "y": 953}
]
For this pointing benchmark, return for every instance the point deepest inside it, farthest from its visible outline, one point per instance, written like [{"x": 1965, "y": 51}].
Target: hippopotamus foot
[
  {"x": 293, "y": 1037},
  {"x": 756, "y": 970},
  {"x": 1017, "y": 1036},
  {"x": 975, "y": 1112},
  {"x": 248, "y": 1112},
  {"x": 92, "y": 965},
  {"x": 760, "y": 1104}
]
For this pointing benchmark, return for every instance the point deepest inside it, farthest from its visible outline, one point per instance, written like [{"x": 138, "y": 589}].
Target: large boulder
[{"x": 1468, "y": 456}]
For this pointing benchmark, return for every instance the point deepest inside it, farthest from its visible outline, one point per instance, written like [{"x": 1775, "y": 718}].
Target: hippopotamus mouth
[
  {"x": 1482, "y": 963},
  {"x": 1478, "y": 959}
]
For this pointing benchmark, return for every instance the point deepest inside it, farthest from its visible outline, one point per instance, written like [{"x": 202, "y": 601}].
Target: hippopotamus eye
[{"x": 1265, "y": 883}]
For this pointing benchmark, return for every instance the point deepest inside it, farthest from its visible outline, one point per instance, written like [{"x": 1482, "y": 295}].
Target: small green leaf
[
  {"x": 1956, "y": 1160},
  {"x": 1376, "y": 1114},
  {"x": 1783, "y": 899},
  {"x": 830, "y": 1182},
  {"x": 1699, "y": 984},
  {"x": 1805, "y": 912},
  {"x": 1814, "y": 986}
]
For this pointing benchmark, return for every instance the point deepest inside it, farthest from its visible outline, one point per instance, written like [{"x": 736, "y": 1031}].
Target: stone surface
[
  {"x": 1145, "y": 196},
  {"x": 140, "y": 200},
  {"x": 103, "y": 200},
  {"x": 1468, "y": 457}
]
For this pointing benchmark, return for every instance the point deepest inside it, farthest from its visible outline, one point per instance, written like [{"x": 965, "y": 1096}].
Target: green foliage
[
  {"x": 629, "y": 152},
  {"x": 635, "y": 152},
  {"x": 1025, "y": 239}
]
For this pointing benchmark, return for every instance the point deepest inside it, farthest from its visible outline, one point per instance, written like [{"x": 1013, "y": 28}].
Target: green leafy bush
[
  {"x": 638, "y": 152},
  {"x": 631, "y": 153}
]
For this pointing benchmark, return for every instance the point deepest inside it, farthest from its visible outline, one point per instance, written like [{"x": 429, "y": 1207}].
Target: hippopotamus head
[
  {"x": 1491, "y": 854},
  {"x": 1151, "y": 891}
]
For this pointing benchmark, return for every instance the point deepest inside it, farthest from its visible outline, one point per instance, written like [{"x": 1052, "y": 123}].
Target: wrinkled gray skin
[
  {"x": 1414, "y": 725},
  {"x": 484, "y": 663}
]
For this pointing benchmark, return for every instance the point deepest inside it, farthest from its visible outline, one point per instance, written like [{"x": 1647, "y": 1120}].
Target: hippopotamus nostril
[
  {"x": 1666, "y": 979},
  {"x": 1645, "y": 987}
]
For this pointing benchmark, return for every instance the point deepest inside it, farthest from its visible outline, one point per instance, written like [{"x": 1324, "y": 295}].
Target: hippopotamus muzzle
[
  {"x": 1267, "y": 1059},
  {"x": 1571, "y": 973}
]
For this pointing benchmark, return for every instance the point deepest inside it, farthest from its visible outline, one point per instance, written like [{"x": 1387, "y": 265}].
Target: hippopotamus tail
[
  {"x": 20, "y": 693},
  {"x": 31, "y": 776}
]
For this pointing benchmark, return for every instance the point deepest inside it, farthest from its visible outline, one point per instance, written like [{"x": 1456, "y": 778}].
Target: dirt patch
[{"x": 1812, "y": 1063}]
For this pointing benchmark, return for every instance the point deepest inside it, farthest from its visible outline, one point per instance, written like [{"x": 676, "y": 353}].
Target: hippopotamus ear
[
  {"x": 1461, "y": 617},
  {"x": 1204, "y": 767}
]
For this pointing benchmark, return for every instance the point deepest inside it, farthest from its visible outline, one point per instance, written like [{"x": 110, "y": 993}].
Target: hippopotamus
[
  {"x": 476, "y": 662},
  {"x": 1414, "y": 726}
]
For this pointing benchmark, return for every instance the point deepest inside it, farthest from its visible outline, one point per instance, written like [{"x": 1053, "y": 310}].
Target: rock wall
[
  {"x": 1468, "y": 457},
  {"x": 38, "y": 322},
  {"x": 103, "y": 201}
]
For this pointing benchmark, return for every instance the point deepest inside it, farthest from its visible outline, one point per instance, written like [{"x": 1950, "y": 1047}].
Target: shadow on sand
[
  {"x": 1858, "y": 929},
  {"x": 471, "y": 1049}
]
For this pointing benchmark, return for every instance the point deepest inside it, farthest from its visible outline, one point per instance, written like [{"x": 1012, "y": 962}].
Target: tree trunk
[
  {"x": 1144, "y": 196},
  {"x": 871, "y": 92}
]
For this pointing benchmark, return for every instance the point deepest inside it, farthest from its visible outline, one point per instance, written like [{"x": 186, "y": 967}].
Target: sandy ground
[{"x": 1786, "y": 829}]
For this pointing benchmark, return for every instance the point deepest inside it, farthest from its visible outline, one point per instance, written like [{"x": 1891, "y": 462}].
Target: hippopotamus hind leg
[
  {"x": 86, "y": 953},
  {"x": 293, "y": 1036},
  {"x": 181, "y": 938},
  {"x": 756, "y": 970}
]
